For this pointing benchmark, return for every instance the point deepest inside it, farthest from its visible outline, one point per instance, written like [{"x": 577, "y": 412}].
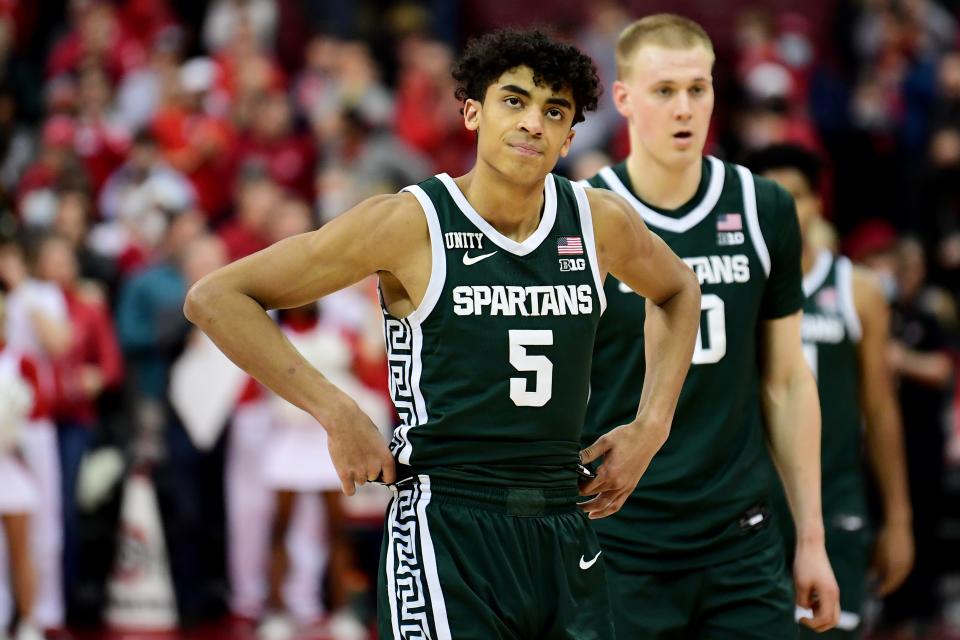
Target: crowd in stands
[{"x": 145, "y": 143}]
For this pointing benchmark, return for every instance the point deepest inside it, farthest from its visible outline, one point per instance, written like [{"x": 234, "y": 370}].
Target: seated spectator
[
  {"x": 95, "y": 37},
  {"x": 100, "y": 140}
]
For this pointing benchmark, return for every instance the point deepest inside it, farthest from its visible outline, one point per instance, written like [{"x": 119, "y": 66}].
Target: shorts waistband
[{"x": 513, "y": 501}]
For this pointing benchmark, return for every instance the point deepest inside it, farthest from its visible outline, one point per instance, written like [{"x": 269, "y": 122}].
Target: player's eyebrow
[{"x": 560, "y": 102}]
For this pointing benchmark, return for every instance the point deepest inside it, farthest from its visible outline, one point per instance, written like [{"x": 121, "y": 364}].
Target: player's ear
[
  {"x": 471, "y": 114},
  {"x": 621, "y": 98},
  {"x": 565, "y": 149}
]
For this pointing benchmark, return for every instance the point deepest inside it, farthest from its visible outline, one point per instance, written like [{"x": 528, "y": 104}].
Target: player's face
[
  {"x": 667, "y": 95},
  {"x": 808, "y": 203},
  {"x": 522, "y": 128}
]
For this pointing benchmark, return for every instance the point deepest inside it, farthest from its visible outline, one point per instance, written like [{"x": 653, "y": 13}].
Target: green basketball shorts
[
  {"x": 750, "y": 598},
  {"x": 469, "y": 562}
]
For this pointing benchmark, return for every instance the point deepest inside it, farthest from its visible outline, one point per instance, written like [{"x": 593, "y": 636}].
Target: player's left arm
[
  {"x": 893, "y": 551},
  {"x": 791, "y": 405},
  {"x": 641, "y": 260},
  {"x": 791, "y": 410}
]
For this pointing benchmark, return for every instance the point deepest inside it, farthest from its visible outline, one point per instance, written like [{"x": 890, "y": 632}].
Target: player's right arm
[
  {"x": 384, "y": 234},
  {"x": 893, "y": 549}
]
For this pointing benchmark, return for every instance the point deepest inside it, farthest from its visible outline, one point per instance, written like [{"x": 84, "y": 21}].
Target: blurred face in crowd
[
  {"x": 522, "y": 128},
  {"x": 184, "y": 228},
  {"x": 291, "y": 218},
  {"x": 13, "y": 266},
  {"x": 667, "y": 96},
  {"x": 911, "y": 268},
  {"x": 202, "y": 256},
  {"x": 71, "y": 217},
  {"x": 94, "y": 91},
  {"x": 808, "y": 202},
  {"x": 273, "y": 116},
  {"x": 57, "y": 263},
  {"x": 257, "y": 199}
]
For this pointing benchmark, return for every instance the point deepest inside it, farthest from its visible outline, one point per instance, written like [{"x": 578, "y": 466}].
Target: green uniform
[
  {"x": 831, "y": 331},
  {"x": 490, "y": 377},
  {"x": 703, "y": 501}
]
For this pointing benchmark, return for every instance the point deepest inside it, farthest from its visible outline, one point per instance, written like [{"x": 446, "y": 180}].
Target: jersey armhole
[
  {"x": 845, "y": 295},
  {"x": 438, "y": 271},
  {"x": 586, "y": 227},
  {"x": 749, "y": 189}
]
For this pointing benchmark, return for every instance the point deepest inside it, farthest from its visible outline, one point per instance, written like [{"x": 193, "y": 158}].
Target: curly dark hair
[{"x": 554, "y": 63}]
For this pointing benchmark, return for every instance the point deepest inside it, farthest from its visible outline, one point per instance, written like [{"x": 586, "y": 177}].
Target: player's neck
[
  {"x": 512, "y": 209},
  {"x": 664, "y": 186}
]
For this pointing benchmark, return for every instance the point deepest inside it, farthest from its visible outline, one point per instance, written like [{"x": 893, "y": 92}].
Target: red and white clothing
[{"x": 39, "y": 445}]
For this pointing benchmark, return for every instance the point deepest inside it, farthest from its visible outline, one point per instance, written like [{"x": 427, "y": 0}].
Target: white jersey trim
[
  {"x": 656, "y": 219},
  {"x": 502, "y": 241},
  {"x": 821, "y": 269},
  {"x": 749, "y": 189},
  {"x": 430, "y": 563},
  {"x": 586, "y": 225},
  {"x": 438, "y": 271},
  {"x": 845, "y": 297}
]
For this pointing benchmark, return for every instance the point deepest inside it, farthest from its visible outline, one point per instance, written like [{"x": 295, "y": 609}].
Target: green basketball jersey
[
  {"x": 740, "y": 235},
  {"x": 831, "y": 331},
  {"x": 490, "y": 374}
]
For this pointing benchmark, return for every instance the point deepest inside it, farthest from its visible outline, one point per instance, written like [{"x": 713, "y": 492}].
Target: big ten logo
[{"x": 572, "y": 264}]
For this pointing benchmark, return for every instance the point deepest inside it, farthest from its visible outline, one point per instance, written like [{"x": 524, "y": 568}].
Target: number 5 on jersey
[{"x": 520, "y": 339}]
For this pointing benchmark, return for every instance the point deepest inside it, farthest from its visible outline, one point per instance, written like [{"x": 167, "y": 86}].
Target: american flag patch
[
  {"x": 729, "y": 222},
  {"x": 570, "y": 246}
]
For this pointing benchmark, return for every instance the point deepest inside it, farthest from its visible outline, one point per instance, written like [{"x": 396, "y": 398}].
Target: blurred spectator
[
  {"x": 316, "y": 82},
  {"x": 17, "y": 144},
  {"x": 604, "y": 22},
  {"x": 96, "y": 38},
  {"x": 20, "y": 397},
  {"x": 917, "y": 356},
  {"x": 91, "y": 365},
  {"x": 142, "y": 91},
  {"x": 361, "y": 161},
  {"x": 144, "y": 181},
  {"x": 224, "y": 17},
  {"x": 196, "y": 142},
  {"x": 56, "y": 164},
  {"x": 150, "y": 324},
  {"x": 100, "y": 140},
  {"x": 37, "y": 326},
  {"x": 287, "y": 155},
  {"x": 427, "y": 113},
  {"x": 72, "y": 221},
  {"x": 356, "y": 85},
  {"x": 257, "y": 197}
]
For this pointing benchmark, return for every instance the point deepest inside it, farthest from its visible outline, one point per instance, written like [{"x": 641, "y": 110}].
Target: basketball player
[
  {"x": 491, "y": 285},
  {"x": 846, "y": 332},
  {"x": 693, "y": 554}
]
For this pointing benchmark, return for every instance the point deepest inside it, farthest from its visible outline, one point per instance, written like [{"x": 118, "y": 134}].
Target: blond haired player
[{"x": 694, "y": 552}]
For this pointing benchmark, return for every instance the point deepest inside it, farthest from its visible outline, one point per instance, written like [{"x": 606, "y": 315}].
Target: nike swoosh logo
[
  {"x": 468, "y": 260},
  {"x": 586, "y": 564}
]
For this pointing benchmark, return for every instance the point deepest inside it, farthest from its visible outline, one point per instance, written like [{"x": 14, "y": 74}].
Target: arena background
[{"x": 162, "y": 138}]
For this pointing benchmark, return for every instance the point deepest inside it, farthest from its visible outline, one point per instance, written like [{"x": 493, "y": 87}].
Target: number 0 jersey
[
  {"x": 740, "y": 235},
  {"x": 490, "y": 374}
]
